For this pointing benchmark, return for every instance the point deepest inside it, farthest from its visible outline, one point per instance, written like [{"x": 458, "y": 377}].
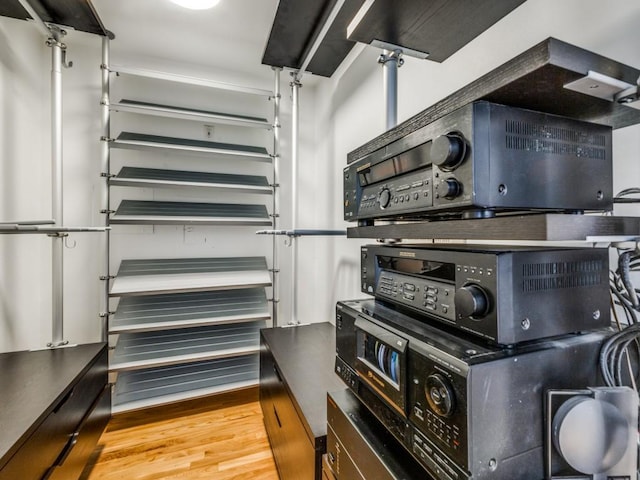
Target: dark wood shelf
[
  {"x": 437, "y": 27},
  {"x": 535, "y": 80},
  {"x": 295, "y": 27},
  {"x": 79, "y": 14},
  {"x": 535, "y": 227}
]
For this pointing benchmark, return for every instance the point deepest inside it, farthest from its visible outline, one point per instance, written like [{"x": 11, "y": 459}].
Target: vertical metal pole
[
  {"x": 391, "y": 61},
  {"x": 57, "y": 279},
  {"x": 276, "y": 194},
  {"x": 106, "y": 171},
  {"x": 295, "y": 87}
]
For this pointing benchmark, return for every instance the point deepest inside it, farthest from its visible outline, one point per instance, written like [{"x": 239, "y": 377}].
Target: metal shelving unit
[{"x": 187, "y": 327}]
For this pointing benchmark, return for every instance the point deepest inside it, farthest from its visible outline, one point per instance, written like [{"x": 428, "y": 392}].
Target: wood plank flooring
[{"x": 218, "y": 438}]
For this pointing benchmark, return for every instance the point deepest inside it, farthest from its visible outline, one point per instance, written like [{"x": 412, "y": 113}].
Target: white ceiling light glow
[{"x": 196, "y": 4}]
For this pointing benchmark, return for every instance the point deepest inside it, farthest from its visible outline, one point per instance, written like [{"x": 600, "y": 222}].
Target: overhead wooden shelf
[
  {"x": 169, "y": 311},
  {"x": 140, "y": 141},
  {"x": 158, "y": 178},
  {"x": 145, "y": 108},
  {"x": 535, "y": 80},
  {"x": 295, "y": 27},
  {"x": 79, "y": 14},
  {"x": 182, "y": 275},
  {"x": 156, "y": 349},
  {"x": 142, "y": 212},
  {"x": 535, "y": 227},
  {"x": 438, "y": 28},
  {"x": 139, "y": 389}
]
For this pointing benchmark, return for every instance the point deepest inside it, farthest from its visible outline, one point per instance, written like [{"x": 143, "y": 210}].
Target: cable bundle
[{"x": 619, "y": 350}]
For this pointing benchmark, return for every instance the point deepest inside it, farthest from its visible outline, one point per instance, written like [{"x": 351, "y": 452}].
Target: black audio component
[
  {"x": 481, "y": 159},
  {"x": 360, "y": 448},
  {"x": 592, "y": 433},
  {"x": 472, "y": 411},
  {"x": 504, "y": 294}
]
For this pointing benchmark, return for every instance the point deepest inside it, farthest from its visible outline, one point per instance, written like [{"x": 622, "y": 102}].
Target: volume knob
[
  {"x": 453, "y": 188},
  {"x": 471, "y": 301},
  {"x": 384, "y": 198},
  {"x": 447, "y": 151}
]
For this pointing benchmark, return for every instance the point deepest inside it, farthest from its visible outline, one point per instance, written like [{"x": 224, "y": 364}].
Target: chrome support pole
[
  {"x": 391, "y": 61},
  {"x": 276, "y": 194},
  {"x": 295, "y": 87},
  {"x": 57, "y": 269},
  {"x": 105, "y": 162}
]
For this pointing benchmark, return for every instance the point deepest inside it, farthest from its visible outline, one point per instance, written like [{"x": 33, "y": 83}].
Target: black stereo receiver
[
  {"x": 504, "y": 294},
  {"x": 481, "y": 159},
  {"x": 465, "y": 410}
]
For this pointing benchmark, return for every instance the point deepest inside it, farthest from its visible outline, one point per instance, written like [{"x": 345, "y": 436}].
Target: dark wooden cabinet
[
  {"x": 55, "y": 405},
  {"x": 296, "y": 372}
]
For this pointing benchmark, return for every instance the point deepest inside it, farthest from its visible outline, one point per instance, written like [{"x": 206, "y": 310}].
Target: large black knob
[
  {"x": 471, "y": 301},
  {"x": 384, "y": 198},
  {"x": 453, "y": 188},
  {"x": 439, "y": 394},
  {"x": 447, "y": 151}
]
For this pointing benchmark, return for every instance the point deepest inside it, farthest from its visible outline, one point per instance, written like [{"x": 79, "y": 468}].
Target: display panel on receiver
[
  {"x": 503, "y": 294},
  {"x": 483, "y": 159}
]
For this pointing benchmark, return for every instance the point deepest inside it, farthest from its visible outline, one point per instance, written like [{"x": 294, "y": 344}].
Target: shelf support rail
[
  {"x": 276, "y": 197},
  {"x": 105, "y": 162},
  {"x": 391, "y": 60},
  {"x": 54, "y": 36}
]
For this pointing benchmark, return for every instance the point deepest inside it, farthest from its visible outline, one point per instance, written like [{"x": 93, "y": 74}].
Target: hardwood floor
[{"x": 217, "y": 438}]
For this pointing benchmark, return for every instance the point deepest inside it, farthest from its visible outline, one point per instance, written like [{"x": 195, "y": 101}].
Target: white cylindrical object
[
  {"x": 276, "y": 194},
  {"x": 57, "y": 268},
  {"x": 390, "y": 71}
]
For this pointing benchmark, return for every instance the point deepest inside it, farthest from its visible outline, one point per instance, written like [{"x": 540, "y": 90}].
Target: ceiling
[{"x": 231, "y": 35}]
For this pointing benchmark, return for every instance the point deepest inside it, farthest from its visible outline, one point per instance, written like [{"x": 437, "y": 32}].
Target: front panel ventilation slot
[{"x": 556, "y": 275}]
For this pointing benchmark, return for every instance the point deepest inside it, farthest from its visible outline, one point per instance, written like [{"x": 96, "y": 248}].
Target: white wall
[
  {"x": 337, "y": 115},
  {"x": 25, "y": 260},
  {"x": 350, "y": 112}
]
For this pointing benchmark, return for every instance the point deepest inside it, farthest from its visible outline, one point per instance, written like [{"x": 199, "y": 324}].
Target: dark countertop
[
  {"x": 305, "y": 356},
  {"x": 31, "y": 385}
]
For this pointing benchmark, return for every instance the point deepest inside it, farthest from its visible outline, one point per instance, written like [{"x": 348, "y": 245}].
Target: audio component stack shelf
[
  {"x": 536, "y": 227},
  {"x": 187, "y": 327}
]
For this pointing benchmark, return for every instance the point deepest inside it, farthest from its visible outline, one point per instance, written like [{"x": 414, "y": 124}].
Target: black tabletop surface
[
  {"x": 31, "y": 385},
  {"x": 305, "y": 356}
]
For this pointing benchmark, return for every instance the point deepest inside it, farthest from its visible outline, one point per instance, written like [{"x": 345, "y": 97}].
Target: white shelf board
[
  {"x": 156, "y": 349},
  {"x": 173, "y": 77},
  {"x": 140, "y": 141},
  {"x": 142, "y": 277},
  {"x": 144, "y": 108},
  {"x": 143, "y": 212},
  {"x": 138, "y": 389},
  {"x": 161, "y": 178},
  {"x": 169, "y": 311}
]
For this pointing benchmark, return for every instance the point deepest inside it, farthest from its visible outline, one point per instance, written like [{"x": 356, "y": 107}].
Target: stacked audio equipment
[{"x": 476, "y": 362}]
